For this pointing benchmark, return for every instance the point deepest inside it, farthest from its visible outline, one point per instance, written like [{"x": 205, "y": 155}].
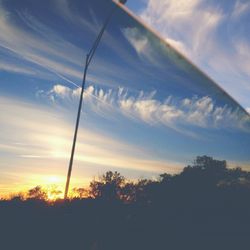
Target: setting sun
[
  {"x": 53, "y": 179},
  {"x": 124, "y": 124},
  {"x": 49, "y": 180}
]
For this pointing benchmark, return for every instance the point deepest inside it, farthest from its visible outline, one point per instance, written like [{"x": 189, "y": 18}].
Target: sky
[
  {"x": 215, "y": 35},
  {"x": 147, "y": 109}
]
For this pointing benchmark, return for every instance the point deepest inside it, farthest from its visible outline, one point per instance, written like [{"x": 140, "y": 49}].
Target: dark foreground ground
[{"x": 207, "y": 206}]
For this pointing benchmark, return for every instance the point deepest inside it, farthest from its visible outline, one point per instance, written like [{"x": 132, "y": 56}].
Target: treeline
[
  {"x": 205, "y": 175},
  {"x": 206, "y": 206}
]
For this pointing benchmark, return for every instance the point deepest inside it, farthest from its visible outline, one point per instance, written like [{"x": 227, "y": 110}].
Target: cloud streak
[
  {"x": 44, "y": 47},
  {"x": 208, "y": 33},
  {"x": 175, "y": 19},
  {"x": 171, "y": 112},
  {"x": 240, "y": 8},
  {"x": 38, "y": 139}
]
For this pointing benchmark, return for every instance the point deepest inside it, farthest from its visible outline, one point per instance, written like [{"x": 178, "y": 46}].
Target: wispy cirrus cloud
[
  {"x": 10, "y": 67},
  {"x": 142, "y": 45},
  {"x": 45, "y": 133},
  {"x": 240, "y": 8},
  {"x": 177, "y": 22},
  {"x": 208, "y": 33},
  {"x": 38, "y": 139},
  {"x": 171, "y": 112},
  {"x": 45, "y": 47},
  {"x": 42, "y": 47}
]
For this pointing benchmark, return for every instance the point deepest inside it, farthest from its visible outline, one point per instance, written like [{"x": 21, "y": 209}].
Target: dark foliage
[{"x": 206, "y": 206}]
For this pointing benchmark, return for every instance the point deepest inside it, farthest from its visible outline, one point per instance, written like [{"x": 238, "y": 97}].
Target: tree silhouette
[
  {"x": 81, "y": 192},
  {"x": 206, "y": 206},
  {"x": 37, "y": 193},
  {"x": 108, "y": 187},
  {"x": 205, "y": 172}
]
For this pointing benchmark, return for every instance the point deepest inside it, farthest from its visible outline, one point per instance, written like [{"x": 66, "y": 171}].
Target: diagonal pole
[
  {"x": 76, "y": 131},
  {"x": 87, "y": 63}
]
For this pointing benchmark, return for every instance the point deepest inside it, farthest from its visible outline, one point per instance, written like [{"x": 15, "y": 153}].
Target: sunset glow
[
  {"x": 124, "y": 124},
  {"x": 147, "y": 109}
]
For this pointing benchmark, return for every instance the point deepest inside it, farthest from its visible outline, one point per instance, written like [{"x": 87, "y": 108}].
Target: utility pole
[{"x": 87, "y": 63}]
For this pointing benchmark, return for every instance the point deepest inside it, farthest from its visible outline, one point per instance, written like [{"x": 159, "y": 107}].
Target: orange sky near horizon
[{"x": 39, "y": 142}]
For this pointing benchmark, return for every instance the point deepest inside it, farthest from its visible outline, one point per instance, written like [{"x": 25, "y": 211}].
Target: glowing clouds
[{"x": 172, "y": 112}]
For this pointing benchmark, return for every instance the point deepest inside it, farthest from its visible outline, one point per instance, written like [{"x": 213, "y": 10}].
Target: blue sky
[
  {"x": 213, "y": 34},
  {"x": 147, "y": 109}
]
